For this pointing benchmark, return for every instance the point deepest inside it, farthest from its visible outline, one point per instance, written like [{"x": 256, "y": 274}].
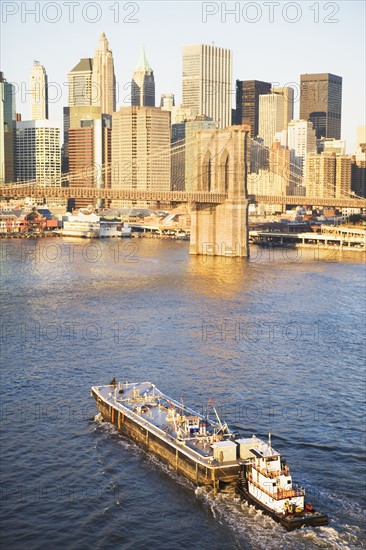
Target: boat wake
[{"x": 261, "y": 532}]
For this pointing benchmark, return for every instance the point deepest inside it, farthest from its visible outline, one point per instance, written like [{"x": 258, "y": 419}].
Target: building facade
[
  {"x": 321, "y": 103},
  {"x": 167, "y": 101},
  {"x": 301, "y": 140},
  {"x": 320, "y": 179},
  {"x": 271, "y": 117},
  {"x": 37, "y": 152},
  {"x": 80, "y": 83},
  {"x": 247, "y": 103},
  {"x": 39, "y": 88},
  {"x": 288, "y": 111},
  {"x": 343, "y": 176},
  {"x": 143, "y": 83},
  {"x": 207, "y": 77},
  {"x": 103, "y": 78},
  {"x": 141, "y": 149},
  {"x": 90, "y": 151},
  {"x": 7, "y": 130},
  {"x": 331, "y": 145}
]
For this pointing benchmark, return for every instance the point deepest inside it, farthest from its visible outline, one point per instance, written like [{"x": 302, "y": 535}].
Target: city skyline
[{"x": 280, "y": 56}]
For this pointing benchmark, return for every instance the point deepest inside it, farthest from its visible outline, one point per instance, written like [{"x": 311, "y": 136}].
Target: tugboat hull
[{"x": 288, "y": 521}]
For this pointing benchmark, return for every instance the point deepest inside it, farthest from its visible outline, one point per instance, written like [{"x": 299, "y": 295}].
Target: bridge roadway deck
[
  {"x": 314, "y": 201},
  {"x": 39, "y": 192}
]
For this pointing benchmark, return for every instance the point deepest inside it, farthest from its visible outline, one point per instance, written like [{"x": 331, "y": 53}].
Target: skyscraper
[
  {"x": 79, "y": 102},
  {"x": 39, "y": 87},
  {"x": 80, "y": 83},
  {"x": 343, "y": 176},
  {"x": 87, "y": 119},
  {"x": 207, "y": 76},
  {"x": 321, "y": 103},
  {"x": 320, "y": 179},
  {"x": 301, "y": 140},
  {"x": 89, "y": 154},
  {"x": 103, "y": 78},
  {"x": 38, "y": 153},
  {"x": 141, "y": 149},
  {"x": 143, "y": 83},
  {"x": 288, "y": 112},
  {"x": 247, "y": 102},
  {"x": 7, "y": 128},
  {"x": 271, "y": 117}
]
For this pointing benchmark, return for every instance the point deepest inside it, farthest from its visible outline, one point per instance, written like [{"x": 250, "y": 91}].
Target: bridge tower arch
[{"x": 220, "y": 166}]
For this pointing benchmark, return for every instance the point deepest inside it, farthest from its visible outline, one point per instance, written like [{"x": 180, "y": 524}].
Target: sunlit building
[
  {"x": 103, "y": 78},
  {"x": 39, "y": 88},
  {"x": 143, "y": 83},
  {"x": 141, "y": 150},
  {"x": 207, "y": 78},
  {"x": 38, "y": 153},
  {"x": 321, "y": 103}
]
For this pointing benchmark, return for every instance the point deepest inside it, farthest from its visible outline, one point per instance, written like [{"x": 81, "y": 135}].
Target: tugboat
[
  {"x": 206, "y": 451},
  {"x": 265, "y": 481}
]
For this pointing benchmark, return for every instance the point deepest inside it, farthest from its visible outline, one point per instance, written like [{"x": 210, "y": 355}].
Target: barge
[{"x": 206, "y": 451}]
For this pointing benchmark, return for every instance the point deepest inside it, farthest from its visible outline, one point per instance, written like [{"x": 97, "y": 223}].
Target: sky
[{"x": 274, "y": 41}]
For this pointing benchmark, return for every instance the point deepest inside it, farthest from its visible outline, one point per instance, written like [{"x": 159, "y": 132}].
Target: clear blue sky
[{"x": 275, "y": 41}]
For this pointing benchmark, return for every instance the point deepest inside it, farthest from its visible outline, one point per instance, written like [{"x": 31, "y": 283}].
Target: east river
[{"x": 277, "y": 342}]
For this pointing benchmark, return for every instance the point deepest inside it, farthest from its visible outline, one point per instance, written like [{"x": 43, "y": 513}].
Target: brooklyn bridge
[{"x": 219, "y": 194}]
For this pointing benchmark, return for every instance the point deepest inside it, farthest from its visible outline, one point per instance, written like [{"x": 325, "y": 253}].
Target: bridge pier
[
  {"x": 220, "y": 164},
  {"x": 220, "y": 230}
]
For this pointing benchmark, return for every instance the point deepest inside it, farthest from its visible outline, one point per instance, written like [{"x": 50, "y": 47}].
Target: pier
[{"x": 342, "y": 237}]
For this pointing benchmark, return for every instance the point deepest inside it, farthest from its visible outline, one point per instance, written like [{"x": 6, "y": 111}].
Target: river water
[{"x": 277, "y": 342}]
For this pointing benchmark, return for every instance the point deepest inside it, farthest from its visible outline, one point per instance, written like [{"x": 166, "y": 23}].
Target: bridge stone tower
[{"x": 220, "y": 165}]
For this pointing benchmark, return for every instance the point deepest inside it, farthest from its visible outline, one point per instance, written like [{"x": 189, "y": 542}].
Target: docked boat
[
  {"x": 89, "y": 225},
  {"x": 206, "y": 451}
]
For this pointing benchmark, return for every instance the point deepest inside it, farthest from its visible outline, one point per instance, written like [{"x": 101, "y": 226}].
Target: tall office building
[
  {"x": 288, "y": 111},
  {"x": 247, "y": 103},
  {"x": 207, "y": 76},
  {"x": 343, "y": 176},
  {"x": 320, "y": 179},
  {"x": 80, "y": 83},
  {"x": 39, "y": 87},
  {"x": 301, "y": 140},
  {"x": 7, "y": 128},
  {"x": 321, "y": 103},
  {"x": 271, "y": 117},
  {"x": 141, "y": 149},
  {"x": 38, "y": 153},
  {"x": 89, "y": 154},
  {"x": 65, "y": 146},
  {"x": 103, "y": 78},
  {"x": 143, "y": 83}
]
